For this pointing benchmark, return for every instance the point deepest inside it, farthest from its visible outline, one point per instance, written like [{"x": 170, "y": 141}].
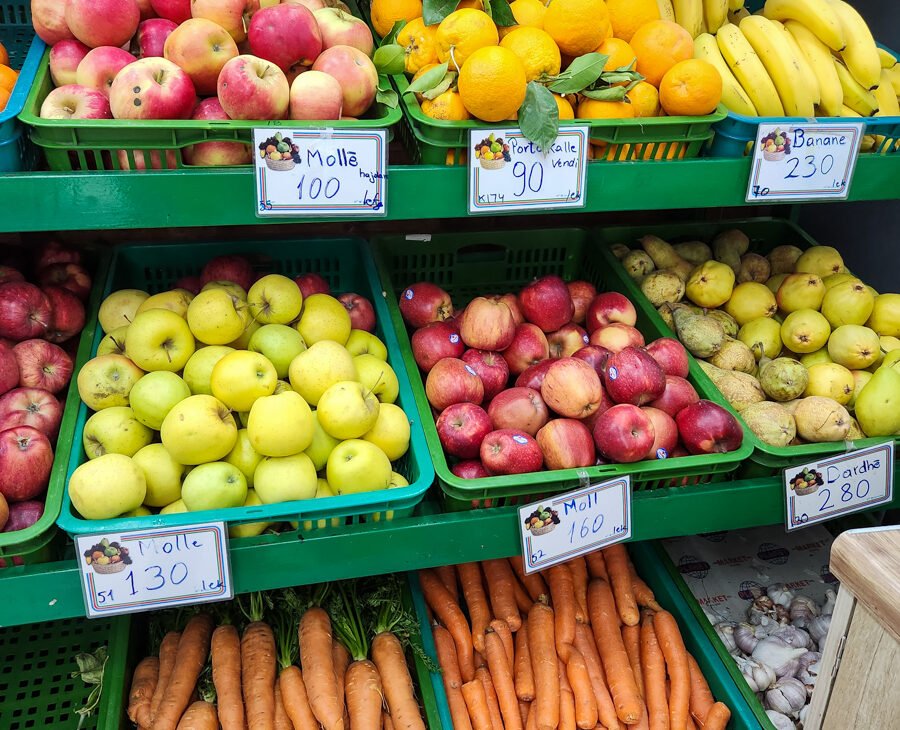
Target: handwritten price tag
[
  {"x": 572, "y": 524},
  {"x": 805, "y": 162},
  {"x": 838, "y": 486},
  {"x": 508, "y": 172},
  {"x": 320, "y": 172},
  {"x": 146, "y": 570}
]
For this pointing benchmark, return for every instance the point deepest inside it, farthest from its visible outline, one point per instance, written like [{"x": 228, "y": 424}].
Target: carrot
[
  {"x": 653, "y": 669},
  {"x": 447, "y": 574},
  {"x": 620, "y": 678},
  {"x": 631, "y": 637},
  {"x": 620, "y": 578},
  {"x": 701, "y": 700},
  {"x": 579, "y": 570},
  {"x": 478, "y": 659},
  {"x": 167, "y": 649},
  {"x": 258, "y": 671},
  {"x": 566, "y": 700},
  {"x": 450, "y": 614},
  {"x": 534, "y": 584},
  {"x": 531, "y": 722},
  {"x": 524, "y": 679},
  {"x": 642, "y": 593},
  {"x": 501, "y": 674},
  {"x": 606, "y": 710},
  {"x": 523, "y": 712},
  {"x": 490, "y": 693},
  {"x": 282, "y": 721},
  {"x": 677, "y": 667},
  {"x": 718, "y": 717},
  {"x": 586, "y": 716},
  {"x": 476, "y": 702},
  {"x": 364, "y": 692},
  {"x": 296, "y": 701},
  {"x": 476, "y": 602},
  {"x": 317, "y": 661},
  {"x": 193, "y": 649},
  {"x": 541, "y": 647},
  {"x": 596, "y": 565},
  {"x": 502, "y": 630},
  {"x": 143, "y": 685},
  {"x": 500, "y": 583},
  {"x": 523, "y": 600},
  {"x": 387, "y": 653},
  {"x": 199, "y": 716},
  {"x": 388, "y": 722},
  {"x": 562, "y": 593},
  {"x": 446, "y": 654},
  {"x": 226, "y": 673},
  {"x": 341, "y": 658}
]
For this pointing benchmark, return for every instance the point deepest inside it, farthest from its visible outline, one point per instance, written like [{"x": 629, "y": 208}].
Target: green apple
[
  {"x": 278, "y": 342},
  {"x": 280, "y": 425},
  {"x": 176, "y": 507},
  {"x": 114, "y": 430},
  {"x": 243, "y": 340},
  {"x": 390, "y": 432},
  {"x": 175, "y": 300},
  {"x": 314, "y": 370},
  {"x": 377, "y": 376},
  {"x": 324, "y": 318},
  {"x": 217, "y": 485},
  {"x": 216, "y": 318},
  {"x": 162, "y": 474},
  {"x": 285, "y": 478},
  {"x": 106, "y": 380},
  {"x": 274, "y": 299},
  {"x": 106, "y": 487},
  {"x": 235, "y": 290},
  {"x": 321, "y": 446},
  {"x": 361, "y": 342},
  {"x": 114, "y": 342},
  {"x": 159, "y": 340},
  {"x": 199, "y": 429},
  {"x": 154, "y": 395},
  {"x": 119, "y": 308},
  {"x": 358, "y": 466},
  {"x": 241, "y": 377},
  {"x": 249, "y": 529},
  {"x": 244, "y": 456},
  {"x": 347, "y": 410},
  {"x": 198, "y": 370}
]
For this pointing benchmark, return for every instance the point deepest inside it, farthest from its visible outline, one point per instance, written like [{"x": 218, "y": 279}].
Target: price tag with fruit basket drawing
[
  {"x": 320, "y": 172},
  {"x": 810, "y": 161},
  {"x": 565, "y": 526},
  {"x": 508, "y": 172},
  {"x": 156, "y": 568}
]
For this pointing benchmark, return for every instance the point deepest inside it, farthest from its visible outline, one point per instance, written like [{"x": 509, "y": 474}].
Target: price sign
[
  {"x": 568, "y": 525},
  {"x": 508, "y": 172},
  {"x": 803, "y": 162},
  {"x": 838, "y": 486},
  {"x": 146, "y": 570},
  {"x": 320, "y": 172}
]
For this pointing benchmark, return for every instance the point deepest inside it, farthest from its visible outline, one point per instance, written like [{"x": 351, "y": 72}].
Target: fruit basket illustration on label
[
  {"x": 107, "y": 557},
  {"x": 279, "y": 152},
  {"x": 807, "y": 481},
  {"x": 542, "y": 521},
  {"x": 492, "y": 152},
  {"x": 776, "y": 145}
]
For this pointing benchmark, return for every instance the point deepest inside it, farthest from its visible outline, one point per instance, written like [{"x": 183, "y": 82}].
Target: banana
[
  {"x": 856, "y": 96},
  {"x": 885, "y": 96},
  {"x": 689, "y": 15},
  {"x": 666, "y": 11},
  {"x": 894, "y": 74},
  {"x": 809, "y": 78},
  {"x": 818, "y": 56},
  {"x": 733, "y": 96},
  {"x": 735, "y": 5},
  {"x": 846, "y": 111},
  {"x": 749, "y": 71},
  {"x": 868, "y": 142},
  {"x": 817, "y": 15},
  {"x": 783, "y": 68},
  {"x": 715, "y": 13},
  {"x": 736, "y": 16},
  {"x": 887, "y": 58},
  {"x": 860, "y": 54}
]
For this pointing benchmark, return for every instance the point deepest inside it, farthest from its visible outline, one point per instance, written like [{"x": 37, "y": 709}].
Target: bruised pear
[
  {"x": 696, "y": 252},
  {"x": 855, "y": 433},
  {"x": 734, "y": 355},
  {"x": 710, "y": 284},
  {"x": 822, "y": 419},
  {"x": 783, "y": 259},
  {"x": 763, "y": 336},
  {"x": 728, "y": 322},
  {"x": 771, "y": 423},
  {"x": 619, "y": 250},
  {"x": 683, "y": 270},
  {"x": 805, "y": 330},
  {"x": 662, "y": 253},
  {"x": 750, "y": 301},
  {"x": 820, "y": 260},
  {"x": 753, "y": 268},
  {"x": 638, "y": 264},
  {"x": 662, "y": 287},
  {"x": 740, "y": 389},
  {"x": 729, "y": 246},
  {"x": 830, "y": 380},
  {"x": 783, "y": 379},
  {"x": 702, "y": 336},
  {"x": 800, "y": 291}
]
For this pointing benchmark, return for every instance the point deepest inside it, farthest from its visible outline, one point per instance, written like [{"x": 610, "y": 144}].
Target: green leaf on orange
[{"x": 539, "y": 115}]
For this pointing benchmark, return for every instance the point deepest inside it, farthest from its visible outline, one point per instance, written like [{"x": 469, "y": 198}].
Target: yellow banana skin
[
  {"x": 733, "y": 95},
  {"x": 689, "y": 15},
  {"x": 856, "y": 96},
  {"x": 818, "y": 55},
  {"x": 715, "y": 14},
  {"x": 666, "y": 11},
  {"x": 817, "y": 15},
  {"x": 749, "y": 71},
  {"x": 860, "y": 54},
  {"x": 810, "y": 79},
  {"x": 734, "y": 5},
  {"x": 888, "y": 106},
  {"x": 887, "y": 58}
]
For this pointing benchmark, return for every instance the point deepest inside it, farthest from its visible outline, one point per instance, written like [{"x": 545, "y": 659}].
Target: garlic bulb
[
  {"x": 802, "y": 610},
  {"x": 780, "y": 594},
  {"x": 787, "y": 696},
  {"x": 758, "y": 676},
  {"x": 725, "y": 632},
  {"x": 782, "y": 615},
  {"x": 830, "y": 598},
  {"x": 794, "y": 636},
  {"x": 775, "y": 652},
  {"x": 818, "y": 627},
  {"x": 762, "y": 607},
  {"x": 745, "y": 637},
  {"x": 808, "y": 670},
  {"x": 780, "y": 721},
  {"x": 803, "y": 714}
]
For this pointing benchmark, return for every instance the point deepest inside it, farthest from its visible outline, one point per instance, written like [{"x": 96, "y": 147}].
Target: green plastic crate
[
  {"x": 347, "y": 266},
  {"x": 472, "y": 264},
  {"x": 765, "y": 234},
  {"x": 36, "y": 661}
]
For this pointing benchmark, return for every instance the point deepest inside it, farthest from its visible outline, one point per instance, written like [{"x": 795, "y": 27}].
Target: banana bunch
[{"x": 700, "y": 16}]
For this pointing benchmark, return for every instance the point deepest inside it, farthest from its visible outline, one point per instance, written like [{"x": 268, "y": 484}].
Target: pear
[
  {"x": 878, "y": 403},
  {"x": 728, "y": 322},
  {"x": 860, "y": 380},
  {"x": 830, "y": 380},
  {"x": 710, "y": 284},
  {"x": 800, "y": 291},
  {"x": 885, "y": 317},
  {"x": 750, "y": 301},
  {"x": 835, "y": 279},
  {"x": 729, "y": 246},
  {"x": 774, "y": 282},
  {"x": 822, "y": 419},
  {"x": 662, "y": 287},
  {"x": 619, "y": 250},
  {"x": 783, "y": 259},
  {"x": 702, "y": 336},
  {"x": 805, "y": 330},
  {"x": 890, "y": 360},
  {"x": 771, "y": 423},
  {"x": 783, "y": 379},
  {"x": 855, "y": 433},
  {"x": 739, "y": 389},
  {"x": 696, "y": 252},
  {"x": 662, "y": 253},
  {"x": 889, "y": 344},
  {"x": 763, "y": 336},
  {"x": 820, "y": 260},
  {"x": 734, "y": 355},
  {"x": 849, "y": 302},
  {"x": 638, "y": 264},
  {"x": 814, "y": 358},
  {"x": 754, "y": 268},
  {"x": 854, "y": 346}
]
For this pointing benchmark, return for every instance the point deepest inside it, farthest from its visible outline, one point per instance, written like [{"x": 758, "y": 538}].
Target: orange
[
  {"x": 447, "y": 106},
  {"x": 4, "y": 97},
  {"x": 626, "y": 16},
  {"x": 645, "y": 100},
  {"x": 564, "y": 106},
  {"x": 456, "y": 157},
  {"x": 4, "y": 56},
  {"x": 620, "y": 53},
  {"x": 7, "y": 78},
  {"x": 691, "y": 88},
  {"x": 419, "y": 42},
  {"x": 464, "y": 31},
  {"x": 659, "y": 151},
  {"x": 611, "y": 152},
  {"x": 659, "y": 45},
  {"x": 528, "y": 12},
  {"x": 387, "y": 12},
  {"x": 594, "y": 109},
  {"x": 535, "y": 49},
  {"x": 474, "y": 4},
  {"x": 492, "y": 84},
  {"x": 577, "y": 26}
]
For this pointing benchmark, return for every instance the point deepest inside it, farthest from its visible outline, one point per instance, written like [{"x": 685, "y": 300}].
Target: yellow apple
[
  {"x": 154, "y": 395},
  {"x": 113, "y": 342},
  {"x": 315, "y": 370},
  {"x": 280, "y": 425},
  {"x": 390, "y": 432},
  {"x": 241, "y": 377},
  {"x": 285, "y": 479},
  {"x": 162, "y": 474},
  {"x": 281, "y": 386},
  {"x": 324, "y": 318},
  {"x": 347, "y": 410},
  {"x": 243, "y": 340},
  {"x": 198, "y": 370},
  {"x": 175, "y": 508},
  {"x": 107, "y": 380},
  {"x": 249, "y": 529},
  {"x": 377, "y": 376},
  {"x": 137, "y": 512},
  {"x": 215, "y": 317},
  {"x": 274, "y": 299},
  {"x": 199, "y": 429},
  {"x": 358, "y": 466},
  {"x": 323, "y": 489},
  {"x": 119, "y": 308},
  {"x": 244, "y": 456},
  {"x": 235, "y": 290},
  {"x": 175, "y": 300},
  {"x": 160, "y": 340},
  {"x": 397, "y": 481},
  {"x": 114, "y": 431},
  {"x": 217, "y": 485},
  {"x": 321, "y": 446},
  {"x": 106, "y": 487},
  {"x": 361, "y": 342},
  {"x": 278, "y": 342}
]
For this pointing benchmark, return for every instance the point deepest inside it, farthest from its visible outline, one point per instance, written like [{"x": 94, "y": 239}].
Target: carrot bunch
[{"x": 579, "y": 645}]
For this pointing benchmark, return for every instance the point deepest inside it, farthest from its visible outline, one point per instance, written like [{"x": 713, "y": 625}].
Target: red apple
[
  {"x": 571, "y": 388},
  {"x": 487, "y": 325},
  {"x": 665, "y": 433},
  {"x": 342, "y": 29},
  {"x": 73, "y": 277},
  {"x": 200, "y": 48},
  {"x": 316, "y": 95},
  {"x": 436, "y": 341},
  {"x": 633, "y": 376},
  {"x": 99, "y": 67},
  {"x": 567, "y": 340},
  {"x": 8, "y": 273},
  {"x": 616, "y": 337},
  {"x": 355, "y": 73},
  {"x": 582, "y": 293},
  {"x": 707, "y": 428},
  {"x": 25, "y": 461},
  {"x": 671, "y": 356},
  {"x": 521, "y": 408},
  {"x": 152, "y": 88},
  {"x": 678, "y": 394},
  {"x": 208, "y": 154},
  {"x": 24, "y": 311},
  {"x": 566, "y": 444},
  {"x": 232, "y": 15},
  {"x": 64, "y": 59},
  {"x": 511, "y": 301},
  {"x": 150, "y": 40},
  {"x": 424, "y": 302},
  {"x": 362, "y": 313},
  {"x": 312, "y": 284},
  {"x": 595, "y": 356},
  {"x": 9, "y": 369},
  {"x": 66, "y": 314},
  {"x": 54, "y": 252},
  {"x": 491, "y": 368},
  {"x": 103, "y": 22},
  {"x": 453, "y": 381},
  {"x": 547, "y": 303},
  {"x": 49, "y": 20},
  {"x": 624, "y": 433},
  {"x": 75, "y": 102},
  {"x": 607, "y": 308},
  {"x": 529, "y": 347},
  {"x": 228, "y": 268},
  {"x": 285, "y": 35},
  {"x": 137, "y": 159},
  {"x": 461, "y": 429},
  {"x": 177, "y": 11},
  {"x": 469, "y": 469},
  {"x": 533, "y": 377},
  {"x": 43, "y": 365},
  {"x": 253, "y": 88},
  {"x": 510, "y": 451},
  {"x": 191, "y": 283},
  {"x": 31, "y": 407},
  {"x": 146, "y": 8},
  {"x": 605, "y": 404}
]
